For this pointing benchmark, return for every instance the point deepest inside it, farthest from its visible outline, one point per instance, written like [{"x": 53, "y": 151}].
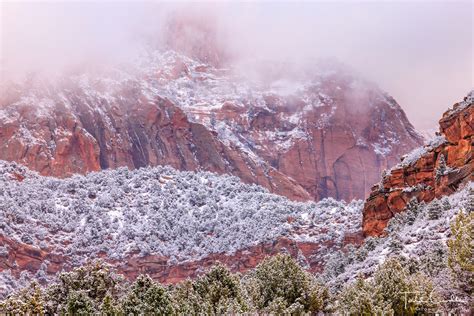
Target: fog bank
[{"x": 419, "y": 52}]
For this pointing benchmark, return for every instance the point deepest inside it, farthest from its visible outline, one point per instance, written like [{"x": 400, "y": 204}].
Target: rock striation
[
  {"x": 327, "y": 134},
  {"x": 430, "y": 172}
]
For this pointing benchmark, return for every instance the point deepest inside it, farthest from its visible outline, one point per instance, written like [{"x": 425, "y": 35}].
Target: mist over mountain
[
  {"x": 236, "y": 158},
  {"x": 393, "y": 44}
]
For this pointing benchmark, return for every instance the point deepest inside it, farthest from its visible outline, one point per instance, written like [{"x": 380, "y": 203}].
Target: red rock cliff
[
  {"x": 331, "y": 136},
  {"x": 429, "y": 173}
]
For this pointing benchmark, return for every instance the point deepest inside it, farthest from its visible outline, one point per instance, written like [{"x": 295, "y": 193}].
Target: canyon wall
[{"x": 438, "y": 169}]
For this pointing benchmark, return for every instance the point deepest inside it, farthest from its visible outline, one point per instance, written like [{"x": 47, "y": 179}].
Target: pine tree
[
  {"x": 470, "y": 201},
  {"x": 395, "y": 244},
  {"x": 109, "y": 306},
  {"x": 460, "y": 251},
  {"x": 357, "y": 298},
  {"x": 413, "y": 209},
  {"x": 278, "y": 283},
  {"x": 221, "y": 290},
  {"x": 391, "y": 284},
  {"x": 27, "y": 301},
  {"x": 79, "y": 303},
  {"x": 446, "y": 204},
  {"x": 435, "y": 210},
  {"x": 147, "y": 297},
  {"x": 442, "y": 167}
]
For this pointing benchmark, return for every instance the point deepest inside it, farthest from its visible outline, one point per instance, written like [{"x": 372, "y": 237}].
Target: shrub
[
  {"x": 27, "y": 301},
  {"x": 460, "y": 251},
  {"x": 392, "y": 290},
  {"x": 435, "y": 210},
  {"x": 280, "y": 285},
  {"x": 147, "y": 297},
  {"x": 220, "y": 291}
]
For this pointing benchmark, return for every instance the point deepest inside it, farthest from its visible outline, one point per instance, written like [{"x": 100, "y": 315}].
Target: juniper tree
[
  {"x": 358, "y": 298},
  {"x": 147, "y": 297},
  {"x": 442, "y": 167},
  {"x": 280, "y": 285},
  {"x": 460, "y": 251},
  {"x": 395, "y": 244},
  {"x": 29, "y": 300},
  {"x": 435, "y": 210},
  {"x": 221, "y": 291}
]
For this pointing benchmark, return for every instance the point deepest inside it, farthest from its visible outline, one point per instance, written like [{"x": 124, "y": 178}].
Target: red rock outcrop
[
  {"x": 332, "y": 139},
  {"x": 197, "y": 36},
  {"x": 436, "y": 171},
  {"x": 22, "y": 257},
  {"x": 135, "y": 134},
  {"x": 337, "y": 149}
]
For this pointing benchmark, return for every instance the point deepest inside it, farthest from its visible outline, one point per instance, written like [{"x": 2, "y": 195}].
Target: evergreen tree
[
  {"x": 470, "y": 201},
  {"x": 79, "y": 303},
  {"x": 358, "y": 298},
  {"x": 413, "y": 209},
  {"x": 446, "y": 204},
  {"x": 27, "y": 301},
  {"x": 221, "y": 290},
  {"x": 395, "y": 244},
  {"x": 280, "y": 284},
  {"x": 188, "y": 301},
  {"x": 435, "y": 210},
  {"x": 442, "y": 167},
  {"x": 83, "y": 288},
  {"x": 460, "y": 251},
  {"x": 147, "y": 297}
]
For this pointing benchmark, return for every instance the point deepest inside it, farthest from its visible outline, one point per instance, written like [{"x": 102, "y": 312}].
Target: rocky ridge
[
  {"x": 435, "y": 170},
  {"x": 321, "y": 133}
]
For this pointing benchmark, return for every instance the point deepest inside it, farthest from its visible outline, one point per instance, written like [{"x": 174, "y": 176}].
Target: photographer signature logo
[{"x": 421, "y": 298}]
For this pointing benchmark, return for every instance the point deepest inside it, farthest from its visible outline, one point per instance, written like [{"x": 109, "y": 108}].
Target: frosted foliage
[
  {"x": 419, "y": 234},
  {"x": 417, "y": 153},
  {"x": 201, "y": 90},
  {"x": 159, "y": 211}
]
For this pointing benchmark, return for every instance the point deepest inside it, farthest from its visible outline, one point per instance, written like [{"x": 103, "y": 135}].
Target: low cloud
[{"x": 421, "y": 52}]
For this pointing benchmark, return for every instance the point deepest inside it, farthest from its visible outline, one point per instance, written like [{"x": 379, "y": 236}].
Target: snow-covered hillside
[
  {"x": 418, "y": 234},
  {"x": 180, "y": 215}
]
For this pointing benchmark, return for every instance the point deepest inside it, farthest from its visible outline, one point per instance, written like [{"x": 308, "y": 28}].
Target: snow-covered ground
[
  {"x": 419, "y": 235},
  {"x": 161, "y": 211}
]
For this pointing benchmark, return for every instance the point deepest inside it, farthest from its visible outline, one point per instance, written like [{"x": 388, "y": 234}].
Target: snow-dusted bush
[
  {"x": 159, "y": 211},
  {"x": 419, "y": 238}
]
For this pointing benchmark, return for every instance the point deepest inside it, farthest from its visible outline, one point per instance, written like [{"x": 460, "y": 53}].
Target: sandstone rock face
[
  {"x": 22, "y": 257},
  {"x": 423, "y": 175},
  {"x": 329, "y": 134}
]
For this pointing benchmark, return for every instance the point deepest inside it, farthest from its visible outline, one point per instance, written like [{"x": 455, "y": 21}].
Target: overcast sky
[{"x": 419, "y": 52}]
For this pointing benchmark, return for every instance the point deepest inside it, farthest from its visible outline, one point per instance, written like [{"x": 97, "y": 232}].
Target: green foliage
[
  {"x": 435, "y": 210},
  {"x": 83, "y": 289},
  {"x": 412, "y": 211},
  {"x": 395, "y": 244},
  {"x": 358, "y": 298},
  {"x": 470, "y": 201},
  {"x": 392, "y": 290},
  {"x": 109, "y": 307},
  {"x": 277, "y": 286},
  {"x": 434, "y": 260},
  {"x": 390, "y": 282},
  {"x": 79, "y": 303},
  {"x": 280, "y": 285},
  {"x": 442, "y": 167},
  {"x": 27, "y": 301},
  {"x": 460, "y": 251},
  {"x": 217, "y": 292},
  {"x": 147, "y": 297},
  {"x": 187, "y": 301}
]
